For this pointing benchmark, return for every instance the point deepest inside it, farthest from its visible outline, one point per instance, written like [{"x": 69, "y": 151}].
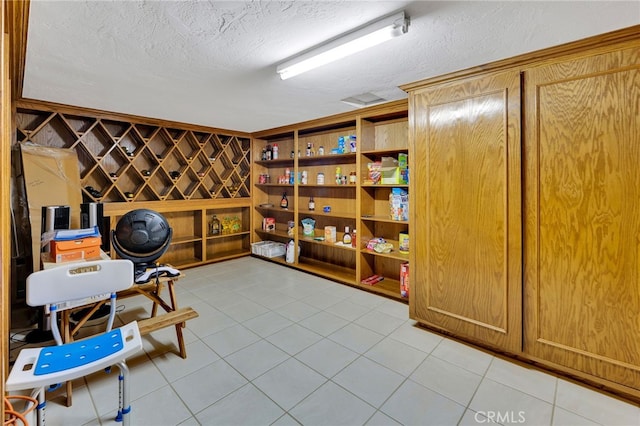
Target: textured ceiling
[{"x": 213, "y": 62}]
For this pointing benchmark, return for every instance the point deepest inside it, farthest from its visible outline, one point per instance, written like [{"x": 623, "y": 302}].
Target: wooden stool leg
[{"x": 183, "y": 350}]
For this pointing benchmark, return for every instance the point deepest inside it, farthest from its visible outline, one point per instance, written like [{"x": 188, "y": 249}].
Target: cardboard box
[
  {"x": 52, "y": 178},
  {"x": 268, "y": 224},
  {"x": 330, "y": 234},
  {"x": 68, "y": 251},
  {"x": 394, "y": 171}
]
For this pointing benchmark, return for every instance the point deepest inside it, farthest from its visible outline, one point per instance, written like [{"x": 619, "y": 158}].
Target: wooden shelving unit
[
  {"x": 131, "y": 161},
  {"x": 380, "y": 131},
  {"x": 185, "y": 173}
]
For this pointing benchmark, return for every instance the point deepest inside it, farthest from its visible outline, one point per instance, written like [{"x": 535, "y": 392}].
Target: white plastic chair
[{"x": 67, "y": 286}]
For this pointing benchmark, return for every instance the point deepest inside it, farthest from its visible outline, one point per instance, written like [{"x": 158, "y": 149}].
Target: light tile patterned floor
[{"x": 276, "y": 346}]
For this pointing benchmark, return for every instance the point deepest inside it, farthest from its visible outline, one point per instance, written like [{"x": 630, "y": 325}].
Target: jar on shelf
[{"x": 320, "y": 179}]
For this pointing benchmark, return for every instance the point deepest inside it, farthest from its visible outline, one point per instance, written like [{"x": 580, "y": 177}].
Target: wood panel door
[
  {"x": 582, "y": 215},
  {"x": 466, "y": 209}
]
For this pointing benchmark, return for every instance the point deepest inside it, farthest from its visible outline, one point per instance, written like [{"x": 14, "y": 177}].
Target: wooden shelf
[
  {"x": 276, "y": 233},
  {"x": 378, "y": 185},
  {"x": 388, "y": 286},
  {"x": 235, "y": 234},
  {"x": 327, "y": 159},
  {"x": 184, "y": 240},
  {"x": 280, "y": 162},
  {"x": 377, "y": 218},
  {"x": 312, "y": 240},
  {"x": 230, "y": 254},
  {"x": 272, "y": 185},
  {"x": 380, "y": 131},
  {"x": 328, "y": 270},
  {"x": 394, "y": 254},
  {"x": 384, "y": 152},
  {"x": 319, "y": 212}
]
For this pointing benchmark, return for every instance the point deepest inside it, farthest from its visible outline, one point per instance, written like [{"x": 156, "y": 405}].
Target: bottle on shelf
[
  {"x": 338, "y": 176},
  {"x": 346, "y": 238},
  {"x": 263, "y": 157},
  {"x": 284, "y": 202},
  {"x": 353, "y": 239},
  {"x": 308, "y": 152},
  {"x": 312, "y": 204},
  {"x": 214, "y": 226},
  {"x": 274, "y": 152}
]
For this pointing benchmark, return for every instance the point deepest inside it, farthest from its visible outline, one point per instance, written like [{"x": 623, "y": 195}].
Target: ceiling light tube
[{"x": 345, "y": 45}]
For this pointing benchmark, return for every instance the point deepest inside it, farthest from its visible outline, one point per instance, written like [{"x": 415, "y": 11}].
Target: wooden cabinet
[
  {"x": 465, "y": 208},
  {"x": 534, "y": 225},
  {"x": 378, "y": 131},
  {"x": 187, "y": 173},
  {"x": 582, "y": 227}
]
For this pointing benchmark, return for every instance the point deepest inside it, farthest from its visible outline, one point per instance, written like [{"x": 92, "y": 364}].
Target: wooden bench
[{"x": 176, "y": 318}]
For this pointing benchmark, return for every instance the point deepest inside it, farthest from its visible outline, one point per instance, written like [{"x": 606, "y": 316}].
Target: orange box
[{"x": 83, "y": 248}]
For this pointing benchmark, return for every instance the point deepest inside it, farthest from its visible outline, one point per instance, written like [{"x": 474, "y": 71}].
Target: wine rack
[{"x": 125, "y": 161}]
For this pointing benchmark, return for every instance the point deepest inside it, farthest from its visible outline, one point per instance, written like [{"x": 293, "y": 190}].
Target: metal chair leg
[{"x": 124, "y": 403}]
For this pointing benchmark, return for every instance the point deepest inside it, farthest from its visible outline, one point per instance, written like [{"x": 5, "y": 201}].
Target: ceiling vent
[{"x": 363, "y": 100}]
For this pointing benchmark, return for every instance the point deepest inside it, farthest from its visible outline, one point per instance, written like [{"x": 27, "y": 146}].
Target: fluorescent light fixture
[{"x": 362, "y": 38}]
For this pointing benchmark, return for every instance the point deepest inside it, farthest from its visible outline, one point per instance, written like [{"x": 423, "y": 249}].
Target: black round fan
[{"x": 141, "y": 236}]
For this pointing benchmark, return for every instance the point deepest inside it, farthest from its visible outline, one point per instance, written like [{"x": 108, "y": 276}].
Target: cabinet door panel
[
  {"x": 582, "y": 274},
  {"x": 468, "y": 252}
]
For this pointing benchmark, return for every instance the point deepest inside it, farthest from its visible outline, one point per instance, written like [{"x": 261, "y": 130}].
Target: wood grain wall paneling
[
  {"x": 466, "y": 151},
  {"x": 582, "y": 227}
]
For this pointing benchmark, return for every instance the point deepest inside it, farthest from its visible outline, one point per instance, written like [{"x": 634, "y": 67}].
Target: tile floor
[{"x": 274, "y": 346}]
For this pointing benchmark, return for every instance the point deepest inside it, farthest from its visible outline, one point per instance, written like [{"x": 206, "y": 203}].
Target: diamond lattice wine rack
[{"x": 122, "y": 160}]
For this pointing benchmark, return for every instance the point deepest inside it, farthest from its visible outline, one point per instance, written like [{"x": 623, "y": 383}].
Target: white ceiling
[{"x": 213, "y": 62}]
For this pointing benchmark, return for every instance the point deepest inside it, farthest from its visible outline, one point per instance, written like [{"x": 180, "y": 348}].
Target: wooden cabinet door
[
  {"x": 582, "y": 215},
  {"x": 466, "y": 209}
]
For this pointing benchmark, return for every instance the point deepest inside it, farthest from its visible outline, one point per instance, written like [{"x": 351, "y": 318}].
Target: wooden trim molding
[
  {"x": 388, "y": 108},
  {"x": 32, "y": 104},
  {"x": 17, "y": 26},
  {"x": 6, "y": 129},
  {"x": 536, "y": 57}
]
